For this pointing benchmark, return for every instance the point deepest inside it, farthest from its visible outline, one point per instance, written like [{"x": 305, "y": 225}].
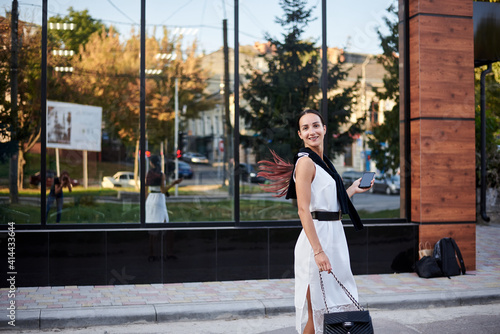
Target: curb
[
  {"x": 120, "y": 315},
  {"x": 422, "y": 300},
  {"x": 95, "y": 316}
]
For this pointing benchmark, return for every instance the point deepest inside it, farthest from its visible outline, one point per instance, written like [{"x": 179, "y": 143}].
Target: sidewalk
[{"x": 81, "y": 306}]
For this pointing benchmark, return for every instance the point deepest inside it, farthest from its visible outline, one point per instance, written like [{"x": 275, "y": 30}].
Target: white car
[
  {"x": 195, "y": 158},
  {"x": 120, "y": 179}
]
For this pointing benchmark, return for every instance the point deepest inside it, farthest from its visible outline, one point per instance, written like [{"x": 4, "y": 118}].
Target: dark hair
[
  {"x": 156, "y": 161},
  {"x": 309, "y": 111},
  {"x": 277, "y": 170}
]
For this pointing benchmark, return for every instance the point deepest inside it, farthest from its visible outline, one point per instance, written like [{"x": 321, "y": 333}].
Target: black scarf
[{"x": 346, "y": 205}]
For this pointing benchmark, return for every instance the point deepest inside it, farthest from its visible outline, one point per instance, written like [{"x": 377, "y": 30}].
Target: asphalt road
[
  {"x": 207, "y": 175},
  {"x": 482, "y": 319}
]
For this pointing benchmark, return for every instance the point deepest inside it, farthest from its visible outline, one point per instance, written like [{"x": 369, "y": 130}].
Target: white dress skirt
[
  {"x": 334, "y": 244},
  {"x": 156, "y": 208}
]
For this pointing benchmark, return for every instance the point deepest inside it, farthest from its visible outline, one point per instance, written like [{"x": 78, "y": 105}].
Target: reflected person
[
  {"x": 156, "y": 207},
  {"x": 56, "y": 194},
  {"x": 156, "y": 189}
]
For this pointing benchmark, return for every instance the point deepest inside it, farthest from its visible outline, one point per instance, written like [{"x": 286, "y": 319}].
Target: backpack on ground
[
  {"x": 446, "y": 253},
  {"x": 427, "y": 267}
]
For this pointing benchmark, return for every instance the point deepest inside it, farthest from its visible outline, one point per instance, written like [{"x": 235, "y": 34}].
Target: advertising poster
[{"x": 73, "y": 126}]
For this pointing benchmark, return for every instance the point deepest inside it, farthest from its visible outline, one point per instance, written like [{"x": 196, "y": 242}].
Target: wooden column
[{"x": 438, "y": 113}]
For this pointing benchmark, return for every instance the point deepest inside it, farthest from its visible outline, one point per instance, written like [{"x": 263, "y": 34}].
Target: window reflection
[{"x": 189, "y": 109}]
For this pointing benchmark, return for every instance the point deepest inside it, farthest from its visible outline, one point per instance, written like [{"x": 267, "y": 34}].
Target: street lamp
[
  {"x": 63, "y": 53},
  {"x": 167, "y": 56},
  {"x": 61, "y": 26},
  {"x": 151, "y": 71},
  {"x": 63, "y": 69}
]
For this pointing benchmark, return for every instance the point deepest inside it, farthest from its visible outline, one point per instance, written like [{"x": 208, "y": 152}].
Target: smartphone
[{"x": 366, "y": 179}]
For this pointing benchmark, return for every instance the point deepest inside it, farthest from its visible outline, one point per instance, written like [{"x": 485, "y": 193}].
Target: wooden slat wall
[
  {"x": 442, "y": 123},
  {"x": 441, "y": 7},
  {"x": 443, "y": 171},
  {"x": 442, "y": 80}
]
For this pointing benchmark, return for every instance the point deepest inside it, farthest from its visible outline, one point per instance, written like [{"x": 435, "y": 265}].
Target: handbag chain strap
[{"x": 353, "y": 300}]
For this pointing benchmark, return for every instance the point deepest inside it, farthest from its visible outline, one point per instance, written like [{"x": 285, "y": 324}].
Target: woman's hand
[
  {"x": 355, "y": 189},
  {"x": 323, "y": 262}
]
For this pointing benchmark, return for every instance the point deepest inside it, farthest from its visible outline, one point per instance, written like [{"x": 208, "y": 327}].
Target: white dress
[
  {"x": 334, "y": 244},
  {"x": 156, "y": 208}
]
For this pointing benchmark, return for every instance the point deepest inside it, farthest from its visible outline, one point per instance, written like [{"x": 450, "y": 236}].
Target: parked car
[
  {"x": 185, "y": 170},
  {"x": 195, "y": 158},
  {"x": 248, "y": 173},
  {"x": 36, "y": 179},
  {"x": 386, "y": 184},
  {"x": 348, "y": 177},
  {"x": 120, "y": 179}
]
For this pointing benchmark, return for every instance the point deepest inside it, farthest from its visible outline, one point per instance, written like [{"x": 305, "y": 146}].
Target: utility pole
[
  {"x": 14, "y": 64},
  {"x": 227, "y": 123},
  {"x": 176, "y": 136}
]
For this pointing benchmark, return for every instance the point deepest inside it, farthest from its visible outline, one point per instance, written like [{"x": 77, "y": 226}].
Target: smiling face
[{"x": 311, "y": 130}]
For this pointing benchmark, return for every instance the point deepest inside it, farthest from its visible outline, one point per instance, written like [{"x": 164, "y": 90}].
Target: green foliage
[
  {"x": 83, "y": 210},
  {"x": 492, "y": 94},
  {"x": 106, "y": 74},
  {"x": 384, "y": 141},
  {"x": 74, "y": 39},
  {"x": 28, "y": 87},
  {"x": 291, "y": 83},
  {"x": 340, "y": 109},
  {"x": 23, "y": 130}
]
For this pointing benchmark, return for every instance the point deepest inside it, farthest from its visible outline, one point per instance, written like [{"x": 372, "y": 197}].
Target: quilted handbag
[{"x": 349, "y": 322}]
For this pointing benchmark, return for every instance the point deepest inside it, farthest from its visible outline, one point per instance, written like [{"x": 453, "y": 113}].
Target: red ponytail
[{"x": 278, "y": 172}]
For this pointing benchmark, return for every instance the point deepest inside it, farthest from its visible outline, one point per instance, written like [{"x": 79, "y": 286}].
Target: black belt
[
  {"x": 155, "y": 192},
  {"x": 326, "y": 215}
]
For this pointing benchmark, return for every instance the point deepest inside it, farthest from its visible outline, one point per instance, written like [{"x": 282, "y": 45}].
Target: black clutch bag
[{"x": 349, "y": 322}]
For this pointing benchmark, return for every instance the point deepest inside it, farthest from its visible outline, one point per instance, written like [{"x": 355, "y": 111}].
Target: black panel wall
[{"x": 116, "y": 257}]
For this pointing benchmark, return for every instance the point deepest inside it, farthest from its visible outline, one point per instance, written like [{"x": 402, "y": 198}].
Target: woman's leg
[
  {"x": 309, "y": 329},
  {"x": 59, "y": 202},
  {"x": 50, "y": 201}
]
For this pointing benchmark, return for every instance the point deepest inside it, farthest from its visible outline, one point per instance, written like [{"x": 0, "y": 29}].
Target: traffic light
[{"x": 180, "y": 144}]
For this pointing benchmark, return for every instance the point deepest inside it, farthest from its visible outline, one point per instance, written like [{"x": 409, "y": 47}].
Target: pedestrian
[
  {"x": 156, "y": 189},
  {"x": 56, "y": 194},
  {"x": 321, "y": 246},
  {"x": 156, "y": 208}
]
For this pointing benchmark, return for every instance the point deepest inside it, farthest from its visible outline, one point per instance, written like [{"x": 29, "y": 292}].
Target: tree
[
  {"x": 28, "y": 89},
  {"x": 84, "y": 27},
  {"x": 340, "y": 108},
  {"x": 492, "y": 94},
  {"x": 71, "y": 40},
  {"x": 276, "y": 97},
  {"x": 106, "y": 74},
  {"x": 384, "y": 141}
]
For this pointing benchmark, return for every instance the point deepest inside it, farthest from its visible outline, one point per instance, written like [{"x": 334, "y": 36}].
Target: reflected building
[{"x": 206, "y": 132}]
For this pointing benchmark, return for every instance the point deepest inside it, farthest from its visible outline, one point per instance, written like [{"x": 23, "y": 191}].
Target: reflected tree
[
  {"x": 384, "y": 141},
  {"x": 28, "y": 93},
  {"x": 290, "y": 84}
]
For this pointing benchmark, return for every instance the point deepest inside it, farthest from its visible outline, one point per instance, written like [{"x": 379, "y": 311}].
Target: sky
[{"x": 350, "y": 24}]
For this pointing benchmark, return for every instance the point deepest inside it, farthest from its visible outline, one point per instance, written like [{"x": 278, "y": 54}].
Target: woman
[
  {"x": 56, "y": 194},
  {"x": 321, "y": 245},
  {"x": 156, "y": 208}
]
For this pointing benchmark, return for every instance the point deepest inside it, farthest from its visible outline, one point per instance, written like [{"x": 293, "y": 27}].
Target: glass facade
[{"x": 132, "y": 90}]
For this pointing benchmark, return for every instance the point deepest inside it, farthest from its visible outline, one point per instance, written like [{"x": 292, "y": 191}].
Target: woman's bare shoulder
[{"x": 305, "y": 166}]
